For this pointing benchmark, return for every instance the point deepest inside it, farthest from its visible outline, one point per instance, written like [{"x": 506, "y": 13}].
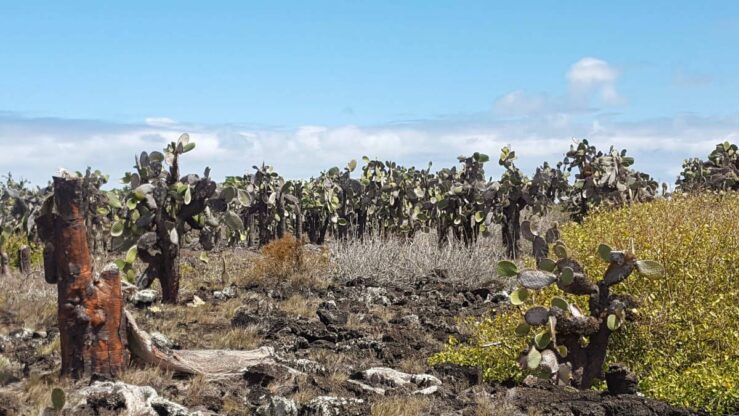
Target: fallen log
[{"x": 213, "y": 364}]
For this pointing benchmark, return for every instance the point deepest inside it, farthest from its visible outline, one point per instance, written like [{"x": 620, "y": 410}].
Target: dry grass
[
  {"x": 402, "y": 406},
  {"x": 242, "y": 338},
  {"x": 383, "y": 312},
  {"x": 305, "y": 394},
  {"x": 358, "y": 321},
  {"x": 413, "y": 365},
  {"x": 406, "y": 261},
  {"x": 47, "y": 349},
  {"x": 27, "y": 301},
  {"x": 147, "y": 376},
  {"x": 300, "y": 306}
]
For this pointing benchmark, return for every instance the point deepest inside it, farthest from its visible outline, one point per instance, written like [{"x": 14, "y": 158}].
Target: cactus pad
[{"x": 536, "y": 279}]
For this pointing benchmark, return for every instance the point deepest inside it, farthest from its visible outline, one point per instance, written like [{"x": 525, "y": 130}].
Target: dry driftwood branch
[{"x": 209, "y": 363}]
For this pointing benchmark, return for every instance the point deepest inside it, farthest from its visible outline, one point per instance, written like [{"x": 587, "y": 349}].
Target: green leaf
[
  {"x": 612, "y": 322},
  {"x": 120, "y": 264},
  {"x": 113, "y": 200},
  {"x": 560, "y": 303},
  {"x": 184, "y": 139},
  {"x": 547, "y": 264},
  {"x": 130, "y": 276},
  {"x": 519, "y": 296},
  {"x": 243, "y": 197},
  {"x": 542, "y": 339},
  {"x": 57, "y": 399},
  {"x": 604, "y": 251},
  {"x": 188, "y": 196},
  {"x": 561, "y": 251},
  {"x": 562, "y": 351},
  {"x": 233, "y": 221},
  {"x": 116, "y": 230},
  {"x": 479, "y": 217},
  {"x": 131, "y": 203},
  {"x": 533, "y": 359},
  {"x": 650, "y": 268},
  {"x": 523, "y": 329},
  {"x": 566, "y": 277},
  {"x": 342, "y": 222},
  {"x": 351, "y": 165},
  {"x": 131, "y": 254},
  {"x": 507, "y": 268},
  {"x": 188, "y": 147}
]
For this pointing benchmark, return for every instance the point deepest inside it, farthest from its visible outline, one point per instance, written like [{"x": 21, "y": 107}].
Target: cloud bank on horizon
[{"x": 538, "y": 126}]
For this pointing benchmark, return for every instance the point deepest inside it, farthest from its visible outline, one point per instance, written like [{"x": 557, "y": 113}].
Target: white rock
[
  {"x": 145, "y": 297},
  {"x": 278, "y": 406},
  {"x": 393, "y": 378},
  {"x": 334, "y": 406},
  {"x": 137, "y": 400}
]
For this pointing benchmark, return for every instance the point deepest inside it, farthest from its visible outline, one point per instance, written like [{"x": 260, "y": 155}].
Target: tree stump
[
  {"x": 24, "y": 259},
  {"x": 92, "y": 326}
]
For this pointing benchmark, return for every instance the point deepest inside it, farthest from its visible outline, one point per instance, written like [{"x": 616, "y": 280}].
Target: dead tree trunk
[
  {"x": 24, "y": 259},
  {"x": 92, "y": 327}
]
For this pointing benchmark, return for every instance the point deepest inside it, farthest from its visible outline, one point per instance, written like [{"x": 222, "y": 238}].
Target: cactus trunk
[
  {"x": 90, "y": 310},
  {"x": 24, "y": 259},
  {"x": 4, "y": 266},
  {"x": 511, "y": 229}
]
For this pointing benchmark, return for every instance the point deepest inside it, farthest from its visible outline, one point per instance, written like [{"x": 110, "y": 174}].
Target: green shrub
[
  {"x": 683, "y": 345},
  {"x": 14, "y": 242}
]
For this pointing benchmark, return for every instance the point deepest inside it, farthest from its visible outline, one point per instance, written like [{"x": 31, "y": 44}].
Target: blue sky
[{"x": 307, "y": 85}]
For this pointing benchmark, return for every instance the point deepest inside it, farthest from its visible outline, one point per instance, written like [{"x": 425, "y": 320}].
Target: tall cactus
[
  {"x": 162, "y": 207},
  {"x": 518, "y": 192},
  {"x": 567, "y": 345}
]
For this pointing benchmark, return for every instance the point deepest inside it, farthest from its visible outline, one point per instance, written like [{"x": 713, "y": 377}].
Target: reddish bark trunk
[{"x": 90, "y": 310}]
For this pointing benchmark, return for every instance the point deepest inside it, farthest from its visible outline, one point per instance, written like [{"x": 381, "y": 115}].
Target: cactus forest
[{"x": 164, "y": 253}]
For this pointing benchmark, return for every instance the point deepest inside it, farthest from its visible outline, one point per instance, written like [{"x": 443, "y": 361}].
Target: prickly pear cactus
[
  {"x": 161, "y": 207},
  {"x": 719, "y": 173},
  {"x": 604, "y": 179},
  {"x": 540, "y": 244},
  {"x": 567, "y": 345}
]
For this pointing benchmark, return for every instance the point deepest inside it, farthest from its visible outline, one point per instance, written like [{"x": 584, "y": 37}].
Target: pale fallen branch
[{"x": 209, "y": 363}]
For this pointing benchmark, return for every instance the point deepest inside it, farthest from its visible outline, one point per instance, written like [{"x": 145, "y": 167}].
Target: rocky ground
[{"x": 350, "y": 346}]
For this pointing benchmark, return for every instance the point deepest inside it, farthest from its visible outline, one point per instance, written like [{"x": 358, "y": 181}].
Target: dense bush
[{"x": 684, "y": 344}]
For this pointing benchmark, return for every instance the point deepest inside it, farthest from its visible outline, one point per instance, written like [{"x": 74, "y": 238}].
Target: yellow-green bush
[
  {"x": 685, "y": 344},
  {"x": 14, "y": 242}
]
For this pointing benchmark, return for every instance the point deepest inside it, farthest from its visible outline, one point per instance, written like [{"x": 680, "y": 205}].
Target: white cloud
[
  {"x": 589, "y": 81},
  {"x": 159, "y": 121},
  {"x": 591, "y": 75},
  {"x": 37, "y": 148}
]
